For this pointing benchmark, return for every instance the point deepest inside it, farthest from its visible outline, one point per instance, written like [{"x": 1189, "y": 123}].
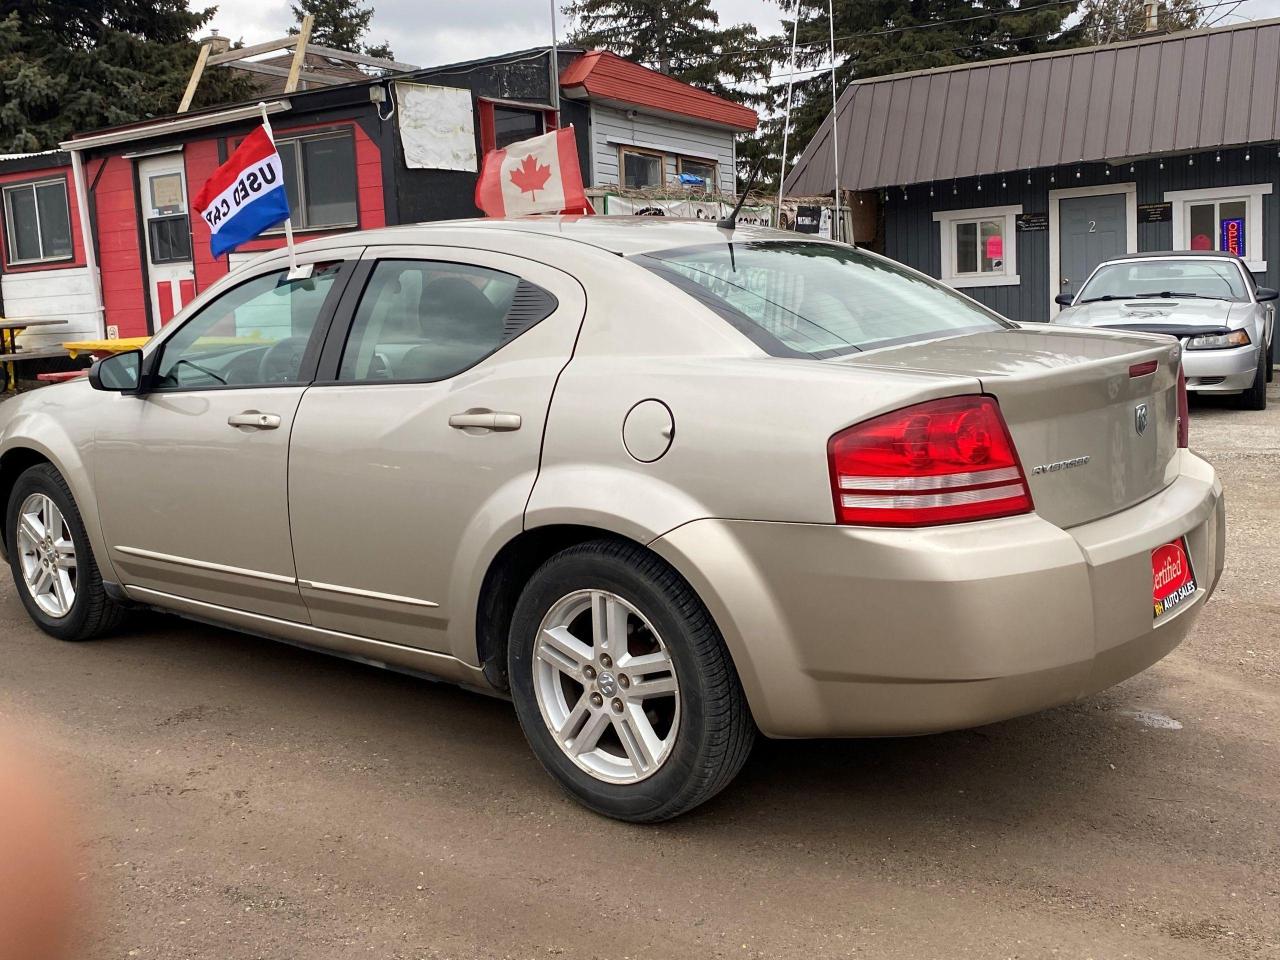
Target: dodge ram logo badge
[{"x": 1140, "y": 418}]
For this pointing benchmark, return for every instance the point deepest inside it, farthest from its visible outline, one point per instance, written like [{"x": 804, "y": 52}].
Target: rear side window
[
  {"x": 422, "y": 320},
  {"x": 815, "y": 299}
]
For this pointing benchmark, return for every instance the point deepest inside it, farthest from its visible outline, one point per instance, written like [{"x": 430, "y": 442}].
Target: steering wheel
[{"x": 283, "y": 361}]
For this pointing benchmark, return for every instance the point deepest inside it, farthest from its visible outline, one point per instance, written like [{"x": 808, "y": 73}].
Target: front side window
[
  {"x": 37, "y": 221},
  {"x": 641, "y": 169},
  {"x": 817, "y": 299},
  {"x": 422, "y": 320},
  {"x": 1206, "y": 278},
  {"x": 320, "y": 179},
  {"x": 253, "y": 335}
]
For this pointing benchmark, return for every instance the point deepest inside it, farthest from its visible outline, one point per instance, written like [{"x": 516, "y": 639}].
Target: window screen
[{"x": 38, "y": 221}]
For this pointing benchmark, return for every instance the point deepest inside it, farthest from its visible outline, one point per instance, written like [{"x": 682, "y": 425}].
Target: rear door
[{"x": 413, "y": 457}]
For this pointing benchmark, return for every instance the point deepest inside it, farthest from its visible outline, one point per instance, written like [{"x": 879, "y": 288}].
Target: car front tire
[
  {"x": 53, "y": 566},
  {"x": 623, "y": 685},
  {"x": 1255, "y": 398}
]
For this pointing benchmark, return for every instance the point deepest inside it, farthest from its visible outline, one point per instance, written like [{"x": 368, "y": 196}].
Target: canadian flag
[{"x": 538, "y": 175}]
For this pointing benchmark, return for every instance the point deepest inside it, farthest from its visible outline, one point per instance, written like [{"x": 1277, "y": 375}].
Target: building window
[
  {"x": 641, "y": 168},
  {"x": 1221, "y": 218},
  {"x": 979, "y": 247},
  {"x": 511, "y": 125},
  {"x": 37, "y": 222},
  {"x": 704, "y": 170},
  {"x": 320, "y": 179}
]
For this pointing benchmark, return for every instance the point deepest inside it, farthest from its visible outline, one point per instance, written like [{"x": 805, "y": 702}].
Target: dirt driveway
[{"x": 241, "y": 799}]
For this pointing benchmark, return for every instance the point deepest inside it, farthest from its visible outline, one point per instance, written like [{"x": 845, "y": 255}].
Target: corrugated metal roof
[{"x": 1188, "y": 91}]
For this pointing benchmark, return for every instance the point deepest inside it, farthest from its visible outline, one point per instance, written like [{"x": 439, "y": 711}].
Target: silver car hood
[{"x": 1141, "y": 313}]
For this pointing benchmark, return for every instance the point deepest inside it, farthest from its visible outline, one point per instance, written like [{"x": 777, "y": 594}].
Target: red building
[{"x": 100, "y": 233}]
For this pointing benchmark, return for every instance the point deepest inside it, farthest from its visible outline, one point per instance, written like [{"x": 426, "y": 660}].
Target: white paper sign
[{"x": 437, "y": 127}]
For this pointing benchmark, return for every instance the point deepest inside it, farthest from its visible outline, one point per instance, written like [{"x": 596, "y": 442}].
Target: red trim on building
[
  {"x": 606, "y": 76},
  {"x": 488, "y": 125},
  {"x": 77, "y": 242}
]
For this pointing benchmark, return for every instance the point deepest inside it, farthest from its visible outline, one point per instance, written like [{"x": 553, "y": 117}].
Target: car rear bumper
[
  {"x": 1220, "y": 371},
  {"x": 845, "y": 631}
]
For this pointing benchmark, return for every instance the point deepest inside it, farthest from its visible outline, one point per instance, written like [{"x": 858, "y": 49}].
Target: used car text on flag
[{"x": 245, "y": 195}]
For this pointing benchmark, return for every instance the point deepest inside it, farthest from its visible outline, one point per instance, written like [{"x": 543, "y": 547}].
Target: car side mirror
[
  {"x": 1064, "y": 299},
  {"x": 119, "y": 373},
  {"x": 1268, "y": 293}
]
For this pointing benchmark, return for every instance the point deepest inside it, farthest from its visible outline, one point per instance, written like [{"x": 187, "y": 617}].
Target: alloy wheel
[
  {"x": 47, "y": 555},
  {"x": 606, "y": 686}
]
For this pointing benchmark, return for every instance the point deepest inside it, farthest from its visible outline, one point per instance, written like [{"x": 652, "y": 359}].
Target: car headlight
[{"x": 1219, "y": 341}]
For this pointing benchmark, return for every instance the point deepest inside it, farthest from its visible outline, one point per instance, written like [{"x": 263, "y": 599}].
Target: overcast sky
[{"x": 431, "y": 32}]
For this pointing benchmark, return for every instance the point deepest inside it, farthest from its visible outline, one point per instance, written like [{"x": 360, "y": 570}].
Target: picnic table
[
  {"x": 9, "y": 352},
  {"x": 104, "y": 348}
]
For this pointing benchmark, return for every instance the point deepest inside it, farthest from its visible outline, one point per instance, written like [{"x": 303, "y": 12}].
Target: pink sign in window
[{"x": 995, "y": 248}]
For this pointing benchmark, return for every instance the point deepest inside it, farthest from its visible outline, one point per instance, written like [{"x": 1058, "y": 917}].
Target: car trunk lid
[{"x": 1094, "y": 433}]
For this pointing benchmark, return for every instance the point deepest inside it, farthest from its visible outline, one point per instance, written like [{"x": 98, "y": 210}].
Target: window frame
[
  {"x": 624, "y": 149},
  {"x": 948, "y": 220},
  {"x": 282, "y": 136},
  {"x": 488, "y": 129},
  {"x": 347, "y": 261},
  {"x": 6, "y": 189},
  {"x": 335, "y": 346},
  {"x": 713, "y": 182},
  {"x": 1252, "y": 194}
]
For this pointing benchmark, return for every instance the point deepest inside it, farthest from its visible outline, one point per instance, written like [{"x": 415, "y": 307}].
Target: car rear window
[{"x": 801, "y": 298}]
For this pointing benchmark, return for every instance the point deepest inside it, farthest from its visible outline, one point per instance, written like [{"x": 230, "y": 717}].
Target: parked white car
[{"x": 1205, "y": 298}]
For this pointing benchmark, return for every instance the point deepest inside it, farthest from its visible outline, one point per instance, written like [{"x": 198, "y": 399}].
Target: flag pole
[
  {"x": 837, "y": 225},
  {"x": 555, "y": 65},
  {"x": 288, "y": 221},
  {"x": 786, "y": 120}
]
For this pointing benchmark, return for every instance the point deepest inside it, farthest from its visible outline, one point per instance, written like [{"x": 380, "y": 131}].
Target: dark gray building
[{"x": 1012, "y": 179}]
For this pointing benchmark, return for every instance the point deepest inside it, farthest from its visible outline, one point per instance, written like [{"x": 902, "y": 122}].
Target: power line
[{"x": 811, "y": 72}]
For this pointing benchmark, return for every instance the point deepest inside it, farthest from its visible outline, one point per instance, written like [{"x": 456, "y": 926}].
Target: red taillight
[
  {"x": 1144, "y": 369},
  {"x": 1184, "y": 414},
  {"x": 945, "y": 461}
]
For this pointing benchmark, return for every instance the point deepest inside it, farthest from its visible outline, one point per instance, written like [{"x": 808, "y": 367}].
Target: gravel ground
[{"x": 238, "y": 799}]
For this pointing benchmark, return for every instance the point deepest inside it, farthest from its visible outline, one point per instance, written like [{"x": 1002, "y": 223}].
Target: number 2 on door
[{"x": 1093, "y": 226}]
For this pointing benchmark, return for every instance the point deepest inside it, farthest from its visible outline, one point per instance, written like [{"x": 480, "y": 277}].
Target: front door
[
  {"x": 192, "y": 476},
  {"x": 414, "y": 462},
  {"x": 1091, "y": 229},
  {"x": 167, "y": 229}
]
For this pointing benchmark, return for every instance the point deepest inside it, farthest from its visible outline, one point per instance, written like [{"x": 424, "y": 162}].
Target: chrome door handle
[
  {"x": 485, "y": 420},
  {"x": 254, "y": 419}
]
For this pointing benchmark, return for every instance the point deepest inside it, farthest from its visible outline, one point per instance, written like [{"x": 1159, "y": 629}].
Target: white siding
[
  {"x": 610, "y": 129},
  {"x": 51, "y": 295}
]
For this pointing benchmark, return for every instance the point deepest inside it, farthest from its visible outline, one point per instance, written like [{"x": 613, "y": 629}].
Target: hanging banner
[{"x": 760, "y": 216}]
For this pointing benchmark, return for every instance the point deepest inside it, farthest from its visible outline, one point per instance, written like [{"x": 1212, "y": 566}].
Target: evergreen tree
[
  {"x": 682, "y": 38},
  {"x": 75, "y": 65},
  {"x": 877, "y": 37},
  {"x": 1109, "y": 21},
  {"x": 340, "y": 24}
]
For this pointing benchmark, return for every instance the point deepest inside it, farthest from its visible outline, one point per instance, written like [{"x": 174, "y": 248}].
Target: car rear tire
[
  {"x": 53, "y": 565},
  {"x": 1255, "y": 398},
  {"x": 623, "y": 685}
]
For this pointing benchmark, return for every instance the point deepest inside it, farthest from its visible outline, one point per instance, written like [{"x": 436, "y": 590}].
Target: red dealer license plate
[{"x": 1172, "y": 581}]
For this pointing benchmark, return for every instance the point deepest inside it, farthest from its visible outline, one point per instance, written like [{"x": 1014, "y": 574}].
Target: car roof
[
  {"x": 623, "y": 235},
  {"x": 1179, "y": 254}
]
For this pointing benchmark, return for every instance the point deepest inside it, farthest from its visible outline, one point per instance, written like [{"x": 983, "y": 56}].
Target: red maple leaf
[{"x": 531, "y": 176}]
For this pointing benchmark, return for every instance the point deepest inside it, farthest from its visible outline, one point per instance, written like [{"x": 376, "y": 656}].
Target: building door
[
  {"x": 1091, "y": 229},
  {"x": 167, "y": 230}
]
